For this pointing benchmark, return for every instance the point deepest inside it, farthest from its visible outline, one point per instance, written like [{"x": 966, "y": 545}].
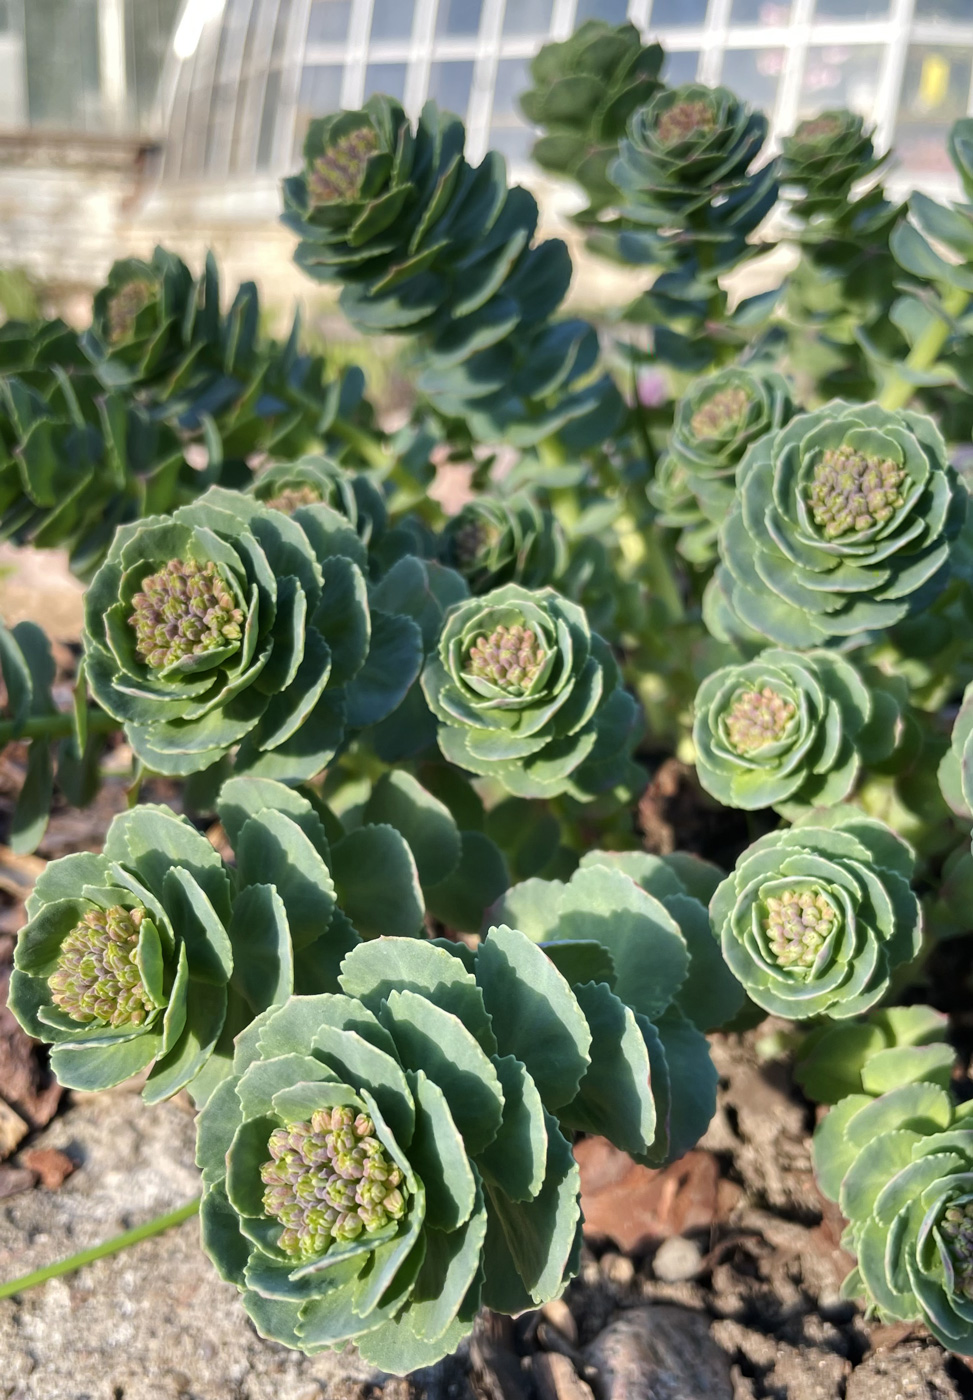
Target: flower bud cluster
[
  {"x": 722, "y": 412},
  {"x": 957, "y": 1231},
  {"x": 851, "y": 490},
  {"x": 184, "y": 610},
  {"x": 758, "y": 718},
  {"x": 683, "y": 120},
  {"x": 291, "y": 498},
  {"x": 97, "y": 976},
  {"x": 329, "y": 1180},
  {"x": 798, "y": 923},
  {"x": 337, "y": 175},
  {"x": 510, "y": 657},
  {"x": 125, "y": 305}
]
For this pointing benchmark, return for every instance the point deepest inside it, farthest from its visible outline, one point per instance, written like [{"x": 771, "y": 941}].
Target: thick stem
[
  {"x": 923, "y": 355},
  {"x": 100, "y": 1251},
  {"x": 54, "y": 726}
]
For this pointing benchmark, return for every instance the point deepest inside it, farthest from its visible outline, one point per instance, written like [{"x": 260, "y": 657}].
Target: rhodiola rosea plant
[{"x": 396, "y": 928}]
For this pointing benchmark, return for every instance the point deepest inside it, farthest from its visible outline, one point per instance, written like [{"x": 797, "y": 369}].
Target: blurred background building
[{"x": 123, "y": 120}]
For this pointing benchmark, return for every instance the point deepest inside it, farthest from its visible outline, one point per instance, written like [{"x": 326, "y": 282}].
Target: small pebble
[
  {"x": 618, "y": 1269},
  {"x": 559, "y": 1315},
  {"x": 677, "y": 1259}
]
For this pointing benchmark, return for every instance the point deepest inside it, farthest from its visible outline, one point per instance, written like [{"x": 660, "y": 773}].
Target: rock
[
  {"x": 13, "y": 1130},
  {"x": 912, "y": 1371},
  {"x": 153, "y": 1322},
  {"x": 635, "y": 1206},
  {"x": 618, "y": 1269},
  {"x": 559, "y": 1315},
  {"x": 13, "y": 1180},
  {"x": 52, "y": 1167},
  {"x": 659, "y": 1353},
  {"x": 677, "y": 1259},
  {"x": 556, "y": 1378}
]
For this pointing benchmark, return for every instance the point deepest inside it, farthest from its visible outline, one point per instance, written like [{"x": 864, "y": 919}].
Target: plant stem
[
  {"x": 100, "y": 1251},
  {"x": 54, "y": 726},
  {"x": 364, "y": 444},
  {"x": 923, "y": 355}
]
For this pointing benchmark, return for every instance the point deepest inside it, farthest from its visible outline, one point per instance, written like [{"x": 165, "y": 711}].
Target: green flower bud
[
  {"x": 758, "y": 718},
  {"x": 97, "y": 976},
  {"x": 184, "y": 610},
  {"x": 683, "y": 120},
  {"x": 850, "y": 490}
]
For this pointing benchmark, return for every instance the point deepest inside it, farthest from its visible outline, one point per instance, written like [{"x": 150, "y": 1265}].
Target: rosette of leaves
[
  {"x": 81, "y": 464},
  {"x": 719, "y": 417},
  {"x": 892, "y": 1046},
  {"x": 426, "y": 245},
  {"x": 842, "y": 526},
  {"x": 900, "y": 1167},
  {"x": 789, "y": 730},
  {"x": 524, "y": 692},
  {"x": 159, "y": 333},
  {"x": 492, "y": 541},
  {"x": 157, "y": 953},
  {"x": 814, "y": 919},
  {"x": 126, "y": 959},
  {"x": 688, "y": 204},
  {"x": 457, "y": 1073},
  {"x": 843, "y": 288},
  {"x": 352, "y": 499},
  {"x": 230, "y": 625},
  {"x": 584, "y": 90}
]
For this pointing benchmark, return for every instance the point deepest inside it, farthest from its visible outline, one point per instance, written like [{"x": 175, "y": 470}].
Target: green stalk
[
  {"x": 924, "y": 354},
  {"x": 55, "y": 726},
  {"x": 100, "y": 1251}
]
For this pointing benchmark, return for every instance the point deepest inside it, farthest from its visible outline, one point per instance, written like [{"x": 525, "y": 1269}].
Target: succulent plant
[
  {"x": 156, "y": 953},
  {"x": 424, "y": 244},
  {"x": 352, "y": 500},
  {"x": 900, "y": 1167},
  {"x": 525, "y": 692},
  {"x": 892, "y": 1046},
  {"x": 823, "y": 159},
  {"x": 956, "y": 768},
  {"x": 159, "y": 333},
  {"x": 716, "y": 420},
  {"x": 789, "y": 729},
  {"x": 229, "y": 624},
  {"x": 126, "y": 959},
  {"x": 814, "y": 919},
  {"x": 585, "y": 88},
  {"x": 842, "y": 527},
  {"x": 383, "y": 1162},
  {"x": 492, "y": 541}
]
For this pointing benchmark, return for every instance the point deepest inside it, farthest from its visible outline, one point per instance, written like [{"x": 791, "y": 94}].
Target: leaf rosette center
[
  {"x": 798, "y": 923},
  {"x": 757, "y": 718},
  {"x": 684, "y": 120},
  {"x": 98, "y": 976},
  {"x": 186, "y": 609},
  {"x": 853, "y": 491}
]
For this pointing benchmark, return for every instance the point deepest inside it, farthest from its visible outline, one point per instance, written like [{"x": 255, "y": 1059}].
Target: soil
[{"x": 718, "y": 1279}]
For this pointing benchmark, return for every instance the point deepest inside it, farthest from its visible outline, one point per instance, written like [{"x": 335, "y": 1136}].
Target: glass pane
[
  {"x": 851, "y": 9},
  {"x": 841, "y": 75},
  {"x": 935, "y": 91},
  {"x": 387, "y": 78},
  {"x": 672, "y": 12},
  {"x": 4, "y": 16},
  {"x": 755, "y": 75},
  {"x": 528, "y": 17},
  {"x": 62, "y": 76},
  {"x": 458, "y": 16},
  {"x": 514, "y": 142},
  {"x": 611, "y": 10},
  {"x": 450, "y": 85},
  {"x": 268, "y": 121},
  {"x": 513, "y": 78},
  {"x": 764, "y": 12},
  {"x": 943, "y": 9},
  {"x": 328, "y": 23},
  {"x": 680, "y": 67},
  {"x": 320, "y": 94},
  {"x": 392, "y": 19}
]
